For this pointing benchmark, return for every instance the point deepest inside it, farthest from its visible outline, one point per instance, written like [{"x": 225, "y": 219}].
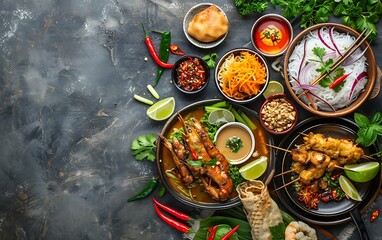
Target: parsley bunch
[{"x": 369, "y": 129}]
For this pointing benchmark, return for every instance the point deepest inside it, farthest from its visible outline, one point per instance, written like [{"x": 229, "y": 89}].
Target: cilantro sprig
[
  {"x": 143, "y": 147},
  {"x": 325, "y": 67},
  {"x": 210, "y": 59}
]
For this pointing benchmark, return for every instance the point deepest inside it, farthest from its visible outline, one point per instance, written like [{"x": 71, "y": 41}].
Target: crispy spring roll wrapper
[{"x": 262, "y": 212}]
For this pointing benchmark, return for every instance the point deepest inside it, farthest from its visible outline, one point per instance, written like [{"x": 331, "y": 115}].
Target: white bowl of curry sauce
[{"x": 235, "y": 141}]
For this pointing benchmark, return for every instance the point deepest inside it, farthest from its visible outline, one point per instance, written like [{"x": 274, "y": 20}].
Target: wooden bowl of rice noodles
[{"x": 346, "y": 88}]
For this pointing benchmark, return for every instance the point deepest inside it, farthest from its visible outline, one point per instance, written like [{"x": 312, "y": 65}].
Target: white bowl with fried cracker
[{"x": 188, "y": 19}]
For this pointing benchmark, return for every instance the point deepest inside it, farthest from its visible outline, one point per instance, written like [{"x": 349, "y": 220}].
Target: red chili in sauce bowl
[
  {"x": 190, "y": 74},
  {"x": 271, "y": 34}
]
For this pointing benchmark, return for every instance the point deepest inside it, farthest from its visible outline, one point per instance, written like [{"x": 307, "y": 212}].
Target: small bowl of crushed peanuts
[{"x": 278, "y": 115}]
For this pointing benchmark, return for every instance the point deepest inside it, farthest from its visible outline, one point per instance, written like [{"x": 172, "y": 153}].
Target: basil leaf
[
  {"x": 361, "y": 120},
  {"x": 367, "y": 137},
  {"x": 376, "y": 118},
  {"x": 377, "y": 128}
]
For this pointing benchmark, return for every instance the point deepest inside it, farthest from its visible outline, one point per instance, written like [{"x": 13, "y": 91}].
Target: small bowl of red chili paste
[
  {"x": 190, "y": 74},
  {"x": 271, "y": 34}
]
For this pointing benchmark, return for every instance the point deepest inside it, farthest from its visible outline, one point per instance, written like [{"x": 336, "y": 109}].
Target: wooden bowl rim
[{"x": 371, "y": 71}]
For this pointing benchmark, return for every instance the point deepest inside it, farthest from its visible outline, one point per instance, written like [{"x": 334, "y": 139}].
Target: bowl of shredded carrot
[{"x": 241, "y": 75}]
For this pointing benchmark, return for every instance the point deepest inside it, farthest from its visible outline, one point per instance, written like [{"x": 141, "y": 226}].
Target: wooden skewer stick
[
  {"x": 287, "y": 184},
  {"x": 279, "y": 148},
  {"x": 344, "y": 168},
  {"x": 280, "y": 174}
]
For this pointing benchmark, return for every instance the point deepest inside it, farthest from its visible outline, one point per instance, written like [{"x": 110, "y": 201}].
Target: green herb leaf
[
  {"x": 212, "y": 162},
  {"x": 234, "y": 144},
  {"x": 235, "y": 175},
  {"x": 376, "y": 118},
  {"x": 143, "y": 147},
  {"x": 361, "y": 120},
  {"x": 319, "y": 52},
  {"x": 246, "y": 7},
  {"x": 193, "y": 163},
  {"x": 278, "y": 231},
  {"x": 210, "y": 59}
]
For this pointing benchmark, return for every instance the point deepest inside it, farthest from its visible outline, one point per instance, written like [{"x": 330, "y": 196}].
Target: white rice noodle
[{"x": 339, "y": 99}]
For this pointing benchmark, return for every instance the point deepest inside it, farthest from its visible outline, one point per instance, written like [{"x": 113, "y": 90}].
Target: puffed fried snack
[{"x": 208, "y": 25}]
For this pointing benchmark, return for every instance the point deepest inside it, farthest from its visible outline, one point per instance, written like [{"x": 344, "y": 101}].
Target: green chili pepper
[
  {"x": 146, "y": 191},
  {"x": 164, "y": 52}
]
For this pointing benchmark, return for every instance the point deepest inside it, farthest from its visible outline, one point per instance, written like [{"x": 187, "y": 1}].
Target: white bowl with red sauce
[
  {"x": 190, "y": 74},
  {"x": 271, "y": 34}
]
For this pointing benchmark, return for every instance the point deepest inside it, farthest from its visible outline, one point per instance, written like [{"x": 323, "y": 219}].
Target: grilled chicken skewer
[{"x": 342, "y": 149}]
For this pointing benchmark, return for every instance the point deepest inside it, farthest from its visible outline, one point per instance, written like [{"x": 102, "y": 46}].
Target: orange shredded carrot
[{"x": 244, "y": 77}]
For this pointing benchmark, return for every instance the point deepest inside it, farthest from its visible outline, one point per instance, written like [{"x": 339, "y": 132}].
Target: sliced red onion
[
  {"x": 302, "y": 60},
  {"x": 332, "y": 39},
  {"x": 356, "y": 81},
  {"x": 351, "y": 59},
  {"x": 323, "y": 100},
  {"x": 323, "y": 41},
  {"x": 331, "y": 55},
  {"x": 305, "y": 71}
]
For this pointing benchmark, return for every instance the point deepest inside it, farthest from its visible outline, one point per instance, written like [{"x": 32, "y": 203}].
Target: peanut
[{"x": 278, "y": 114}]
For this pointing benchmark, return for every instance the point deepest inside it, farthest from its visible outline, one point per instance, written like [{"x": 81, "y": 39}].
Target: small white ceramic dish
[
  {"x": 188, "y": 18},
  {"x": 229, "y": 131}
]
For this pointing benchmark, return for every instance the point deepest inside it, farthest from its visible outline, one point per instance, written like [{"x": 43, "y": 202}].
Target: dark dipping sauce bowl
[
  {"x": 190, "y": 74},
  {"x": 271, "y": 35}
]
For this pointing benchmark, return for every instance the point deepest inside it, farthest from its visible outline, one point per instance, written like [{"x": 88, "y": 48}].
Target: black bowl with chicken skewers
[
  {"x": 211, "y": 183},
  {"x": 313, "y": 156}
]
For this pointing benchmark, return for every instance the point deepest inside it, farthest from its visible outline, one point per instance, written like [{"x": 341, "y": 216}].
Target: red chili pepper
[
  {"x": 153, "y": 52},
  {"x": 172, "y": 211},
  {"x": 374, "y": 215},
  {"x": 194, "y": 154},
  {"x": 338, "y": 81},
  {"x": 230, "y": 233},
  {"x": 176, "y": 50},
  {"x": 212, "y": 232},
  {"x": 173, "y": 223}
]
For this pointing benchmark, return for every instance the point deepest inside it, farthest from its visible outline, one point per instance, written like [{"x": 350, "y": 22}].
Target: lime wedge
[
  {"x": 362, "y": 172},
  {"x": 274, "y": 87},
  {"x": 349, "y": 188},
  {"x": 254, "y": 169},
  {"x": 162, "y": 109},
  {"x": 220, "y": 116}
]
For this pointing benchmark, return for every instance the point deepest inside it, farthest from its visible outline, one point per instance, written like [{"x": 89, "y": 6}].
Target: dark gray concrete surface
[{"x": 69, "y": 70}]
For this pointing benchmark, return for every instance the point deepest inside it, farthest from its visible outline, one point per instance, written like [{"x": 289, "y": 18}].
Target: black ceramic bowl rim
[
  {"x": 270, "y": 98},
  {"x": 272, "y": 16},
  {"x": 174, "y": 74},
  {"x": 222, "y": 59}
]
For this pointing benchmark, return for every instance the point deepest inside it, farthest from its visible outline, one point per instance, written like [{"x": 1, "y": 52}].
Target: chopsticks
[{"x": 355, "y": 45}]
